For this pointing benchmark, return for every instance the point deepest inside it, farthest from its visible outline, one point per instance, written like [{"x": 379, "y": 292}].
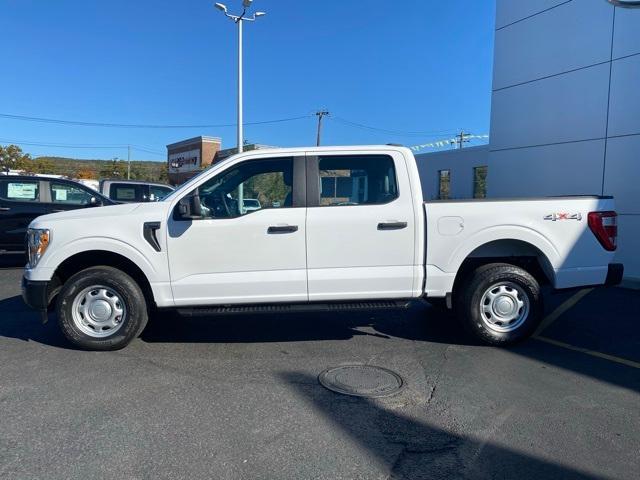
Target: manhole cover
[{"x": 361, "y": 380}]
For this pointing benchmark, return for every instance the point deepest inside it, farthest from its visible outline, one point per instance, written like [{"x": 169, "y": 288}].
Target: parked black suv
[{"x": 23, "y": 198}]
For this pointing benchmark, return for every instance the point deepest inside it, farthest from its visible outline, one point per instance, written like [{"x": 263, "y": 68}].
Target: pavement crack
[
  {"x": 436, "y": 381},
  {"x": 432, "y": 393}
]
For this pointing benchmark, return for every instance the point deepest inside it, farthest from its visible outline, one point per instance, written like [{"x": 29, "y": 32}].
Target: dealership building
[
  {"x": 565, "y": 113},
  {"x": 188, "y": 157}
]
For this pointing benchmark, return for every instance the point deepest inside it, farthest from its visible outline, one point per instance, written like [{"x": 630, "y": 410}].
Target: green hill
[{"x": 97, "y": 169}]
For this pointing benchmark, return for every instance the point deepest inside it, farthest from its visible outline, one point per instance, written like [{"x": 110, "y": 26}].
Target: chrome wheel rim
[
  {"x": 504, "y": 307},
  {"x": 98, "y": 311}
]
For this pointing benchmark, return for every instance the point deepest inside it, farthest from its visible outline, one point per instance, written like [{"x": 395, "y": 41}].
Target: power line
[
  {"x": 384, "y": 130},
  {"x": 82, "y": 145},
  {"x": 135, "y": 125}
]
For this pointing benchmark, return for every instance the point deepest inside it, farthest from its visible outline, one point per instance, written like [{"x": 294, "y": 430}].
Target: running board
[{"x": 293, "y": 307}]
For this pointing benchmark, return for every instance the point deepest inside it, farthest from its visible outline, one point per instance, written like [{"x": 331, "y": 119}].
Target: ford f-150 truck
[{"x": 337, "y": 227}]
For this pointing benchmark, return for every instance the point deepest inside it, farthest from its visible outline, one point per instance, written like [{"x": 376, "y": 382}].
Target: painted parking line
[
  {"x": 593, "y": 353},
  {"x": 563, "y": 308}
]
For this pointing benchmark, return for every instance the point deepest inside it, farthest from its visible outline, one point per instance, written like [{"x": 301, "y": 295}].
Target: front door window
[{"x": 248, "y": 187}]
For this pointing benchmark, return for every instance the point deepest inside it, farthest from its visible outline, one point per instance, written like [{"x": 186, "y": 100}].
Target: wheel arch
[
  {"x": 95, "y": 258},
  {"x": 513, "y": 251}
]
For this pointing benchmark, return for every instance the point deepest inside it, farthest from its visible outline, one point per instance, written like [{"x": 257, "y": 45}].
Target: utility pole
[
  {"x": 462, "y": 138},
  {"x": 128, "y": 162},
  {"x": 320, "y": 114}
]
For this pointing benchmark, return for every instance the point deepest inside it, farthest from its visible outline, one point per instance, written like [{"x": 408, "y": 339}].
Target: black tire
[
  {"x": 513, "y": 283},
  {"x": 129, "y": 294}
]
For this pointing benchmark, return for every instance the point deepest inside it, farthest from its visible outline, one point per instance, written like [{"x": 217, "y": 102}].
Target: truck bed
[{"x": 553, "y": 230}]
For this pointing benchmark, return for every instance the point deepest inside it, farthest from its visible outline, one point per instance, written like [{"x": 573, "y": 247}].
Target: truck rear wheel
[
  {"x": 101, "y": 308},
  {"x": 500, "y": 304}
]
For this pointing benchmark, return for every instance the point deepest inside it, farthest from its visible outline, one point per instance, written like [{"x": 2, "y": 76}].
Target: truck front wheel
[
  {"x": 499, "y": 303},
  {"x": 101, "y": 308}
]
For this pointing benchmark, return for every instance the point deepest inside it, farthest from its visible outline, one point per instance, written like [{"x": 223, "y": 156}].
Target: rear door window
[
  {"x": 64, "y": 193},
  {"x": 357, "y": 180},
  {"x": 20, "y": 190},
  {"x": 127, "y": 192}
]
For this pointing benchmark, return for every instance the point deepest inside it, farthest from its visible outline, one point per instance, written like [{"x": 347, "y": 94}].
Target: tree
[
  {"x": 114, "y": 168},
  {"x": 42, "y": 165},
  {"x": 163, "y": 175},
  {"x": 12, "y": 158},
  {"x": 86, "y": 174},
  {"x": 136, "y": 172}
]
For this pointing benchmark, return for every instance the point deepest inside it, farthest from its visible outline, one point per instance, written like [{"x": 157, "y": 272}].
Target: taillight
[{"x": 604, "y": 226}]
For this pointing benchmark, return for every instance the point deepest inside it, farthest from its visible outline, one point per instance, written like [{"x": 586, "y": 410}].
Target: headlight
[{"x": 38, "y": 240}]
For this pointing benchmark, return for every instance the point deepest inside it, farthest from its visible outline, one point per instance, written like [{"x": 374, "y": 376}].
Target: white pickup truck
[{"x": 338, "y": 227}]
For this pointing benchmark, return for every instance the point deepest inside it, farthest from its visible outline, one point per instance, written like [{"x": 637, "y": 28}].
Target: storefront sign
[{"x": 184, "y": 161}]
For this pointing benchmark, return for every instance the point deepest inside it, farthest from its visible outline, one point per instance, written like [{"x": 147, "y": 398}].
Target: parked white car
[
  {"x": 351, "y": 229},
  {"x": 251, "y": 205},
  {"x": 133, "y": 191}
]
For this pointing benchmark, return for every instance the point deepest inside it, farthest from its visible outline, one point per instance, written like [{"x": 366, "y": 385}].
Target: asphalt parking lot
[{"x": 238, "y": 397}]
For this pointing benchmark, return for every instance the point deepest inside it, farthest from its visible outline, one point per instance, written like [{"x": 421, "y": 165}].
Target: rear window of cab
[{"x": 20, "y": 190}]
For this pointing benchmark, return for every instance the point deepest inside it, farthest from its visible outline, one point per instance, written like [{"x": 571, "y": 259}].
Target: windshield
[{"x": 186, "y": 187}]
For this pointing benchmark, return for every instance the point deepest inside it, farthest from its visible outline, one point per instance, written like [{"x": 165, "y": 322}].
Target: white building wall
[
  {"x": 566, "y": 106},
  {"x": 460, "y": 163}
]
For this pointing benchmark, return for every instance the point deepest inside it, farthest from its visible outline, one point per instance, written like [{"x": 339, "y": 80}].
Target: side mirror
[
  {"x": 94, "y": 202},
  {"x": 152, "y": 198},
  {"x": 189, "y": 207}
]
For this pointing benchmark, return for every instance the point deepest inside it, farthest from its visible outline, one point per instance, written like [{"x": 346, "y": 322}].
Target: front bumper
[
  {"x": 35, "y": 294},
  {"x": 615, "y": 273}
]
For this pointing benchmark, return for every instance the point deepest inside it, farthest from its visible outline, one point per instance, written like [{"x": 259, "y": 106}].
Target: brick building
[{"x": 187, "y": 157}]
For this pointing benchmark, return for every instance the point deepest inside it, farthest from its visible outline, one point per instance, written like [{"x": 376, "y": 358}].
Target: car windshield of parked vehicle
[
  {"x": 158, "y": 192},
  {"x": 251, "y": 203}
]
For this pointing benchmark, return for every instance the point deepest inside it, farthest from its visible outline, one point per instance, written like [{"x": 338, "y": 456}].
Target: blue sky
[{"x": 412, "y": 66}]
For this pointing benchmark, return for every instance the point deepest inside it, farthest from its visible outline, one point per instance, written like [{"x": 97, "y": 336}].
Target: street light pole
[
  {"x": 239, "y": 20},
  {"x": 240, "y": 88}
]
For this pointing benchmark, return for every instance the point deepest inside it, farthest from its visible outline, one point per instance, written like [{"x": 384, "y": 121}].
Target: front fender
[{"x": 52, "y": 259}]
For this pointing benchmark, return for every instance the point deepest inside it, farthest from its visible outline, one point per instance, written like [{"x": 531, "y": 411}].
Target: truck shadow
[
  {"x": 419, "y": 323},
  {"x": 12, "y": 260},
  {"x": 20, "y": 322},
  {"x": 410, "y": 448}
]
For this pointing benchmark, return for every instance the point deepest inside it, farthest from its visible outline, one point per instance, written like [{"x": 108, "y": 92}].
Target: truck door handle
[
  {"x": 275, "y": 229},
  {"x": 4, "y": 209},
  {"x": 392, "y": 225}
]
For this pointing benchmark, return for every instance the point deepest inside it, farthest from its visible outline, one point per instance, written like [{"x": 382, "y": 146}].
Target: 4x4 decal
[{"x": 563, "y": 216}]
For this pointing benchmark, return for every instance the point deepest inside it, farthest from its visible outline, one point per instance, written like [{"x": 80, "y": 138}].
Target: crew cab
[{"x": 339, "y": 227}]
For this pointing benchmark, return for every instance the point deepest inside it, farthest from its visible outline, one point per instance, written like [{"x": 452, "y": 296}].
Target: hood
[{"x": 101, "y": 214}]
